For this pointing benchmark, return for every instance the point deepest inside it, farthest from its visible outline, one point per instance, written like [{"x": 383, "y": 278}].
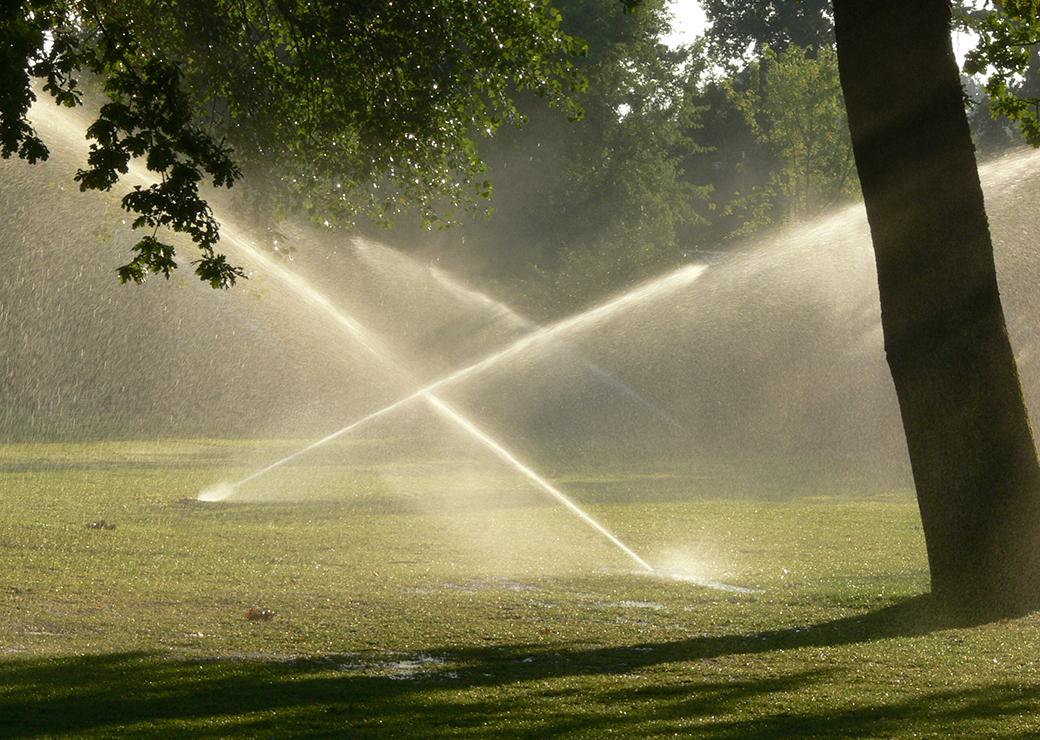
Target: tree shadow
[{"x": 511, "y": 690}]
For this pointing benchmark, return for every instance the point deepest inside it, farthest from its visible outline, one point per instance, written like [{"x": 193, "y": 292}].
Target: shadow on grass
[{"x": 511, "y": 690}]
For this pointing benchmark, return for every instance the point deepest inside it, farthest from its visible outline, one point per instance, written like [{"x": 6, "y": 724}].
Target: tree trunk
[{"x": 971, "y": 449}]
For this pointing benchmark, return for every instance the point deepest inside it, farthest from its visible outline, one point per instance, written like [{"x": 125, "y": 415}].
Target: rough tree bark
[{"x": 971, "y": 448}]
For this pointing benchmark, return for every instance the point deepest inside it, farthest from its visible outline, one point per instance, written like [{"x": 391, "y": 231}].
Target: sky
[{"x": 687, "y": 22}]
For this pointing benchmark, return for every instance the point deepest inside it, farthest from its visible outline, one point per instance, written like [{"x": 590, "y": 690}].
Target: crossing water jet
[
  {"x": 497, "y": 308},
  {"x": 370, "y": 342},
  {"x": 68, "y": 127},
  {"x": 601, "y": 374},
  {"x": 385, "y": 259},
  {"x": 652, "y": 289},
  {"x": 538, "y": 480}
]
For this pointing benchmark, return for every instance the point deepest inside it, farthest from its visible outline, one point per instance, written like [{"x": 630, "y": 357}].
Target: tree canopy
[
  {"x": 798, "y": 116},
  {"x": 358, "y": 110},
  {"x": 355, "y": 106},
  {"x": 739, "y": 26},
  {"x": 585, "y": 207}
]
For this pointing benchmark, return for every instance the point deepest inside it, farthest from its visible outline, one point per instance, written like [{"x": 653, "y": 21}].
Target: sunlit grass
[{"x": 407, "y": 604}]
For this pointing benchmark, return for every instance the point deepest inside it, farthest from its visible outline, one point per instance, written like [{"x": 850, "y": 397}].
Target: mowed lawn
[{"x": 420, "y": 599}]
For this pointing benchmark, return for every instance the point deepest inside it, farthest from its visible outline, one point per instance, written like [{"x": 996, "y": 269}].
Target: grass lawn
[{"x": 426, "y": 600}]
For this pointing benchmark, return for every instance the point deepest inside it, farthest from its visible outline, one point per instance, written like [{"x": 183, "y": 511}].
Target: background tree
[
  {"x": 739, "y": 28},
  {"x": 749, "y": 176},
  {"x": 749, "y": 135},
  {"x": 622, "y": 197},
  {"x": 799, "y": 117},
  {"x": 586, "y": 207},
  {"x": 992, "y": 133}
]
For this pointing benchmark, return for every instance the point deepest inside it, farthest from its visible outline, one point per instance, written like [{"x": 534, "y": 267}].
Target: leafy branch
[
  {"x": 148, "y": 115},
  {"x": 1008, "y": 37}
]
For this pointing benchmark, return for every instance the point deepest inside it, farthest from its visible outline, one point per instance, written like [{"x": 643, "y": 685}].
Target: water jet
[
  {"x": 376, "y": 347},
  {"x": 651, "y": 289}
]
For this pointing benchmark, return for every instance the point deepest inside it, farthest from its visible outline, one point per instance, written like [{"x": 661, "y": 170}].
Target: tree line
[
  {"x": 366, "y": 114},
  {"x": 680, "y": 153}
]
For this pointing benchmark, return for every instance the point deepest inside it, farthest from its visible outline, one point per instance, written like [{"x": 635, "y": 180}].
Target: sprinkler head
[{"x": 218, "y": 492}]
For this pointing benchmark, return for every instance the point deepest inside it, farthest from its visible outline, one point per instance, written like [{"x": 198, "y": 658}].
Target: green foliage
[
  {"x": 623, "y": 195},
  {"x": 148, "y": 115},
  {"x": 799, "y": 115},
  {"x": 370, "y": 108},
  {"x": 729, "y": 161},
  {"x": 587, "y": 207},
  {"x": 774, "y": 135},
  {"x": 24, "y": 27},
  {"x": 737, "y": 26},
  {"x": 349, "y": 107},
  {"x": 992, "y": 134},
  {"x": 1007, "y": 55}
]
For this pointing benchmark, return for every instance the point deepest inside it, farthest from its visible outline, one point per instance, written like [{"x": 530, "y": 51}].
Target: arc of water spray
[
  {"x": 370, "y": 343},
  {"x": 508, "y": 457},
  {"x": 527, "y": 324},
  {"x": 500, "y": 310},
  {"x": 672, "y": 281}
]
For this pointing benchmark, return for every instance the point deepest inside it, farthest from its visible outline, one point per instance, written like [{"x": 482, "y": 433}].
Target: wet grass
[{"x": 425, "y": 600}]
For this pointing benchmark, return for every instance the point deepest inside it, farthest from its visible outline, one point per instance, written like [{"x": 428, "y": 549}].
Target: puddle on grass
[
  {"x": 43, "y": 632},
  {"x": 407, "y": 668},
  {"x": 410, "y": 668},
  {"x": 695, "y": 580},
  {"x": 641, "y": 605}
]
